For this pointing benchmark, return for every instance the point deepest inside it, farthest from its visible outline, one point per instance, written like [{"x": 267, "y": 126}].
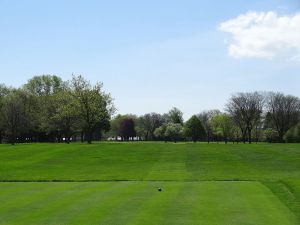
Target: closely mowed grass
[
  {"x": 113, "y": 203},
  {"x": 116, "y": 183},
  {"x": 149, "y": 161}
]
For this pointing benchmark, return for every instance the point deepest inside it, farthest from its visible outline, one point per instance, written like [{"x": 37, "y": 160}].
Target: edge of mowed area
[
  {"x": 273, "y": 167},
  {"x": 288, "y": 192}
]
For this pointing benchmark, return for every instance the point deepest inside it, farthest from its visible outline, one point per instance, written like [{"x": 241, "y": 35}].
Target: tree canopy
[
  {"x": 194, "y": 129},
  {"x": 49, "y": 109}
]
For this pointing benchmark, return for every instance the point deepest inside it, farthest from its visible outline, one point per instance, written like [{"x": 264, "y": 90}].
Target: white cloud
[{"x": 264, "y": 35}]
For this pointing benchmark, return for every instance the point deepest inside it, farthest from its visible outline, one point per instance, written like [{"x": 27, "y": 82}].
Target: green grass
[
  {"x": 116, "y": 183},
  {"x": 140, "y": 203},
  {"x": 149, "y": 161}
]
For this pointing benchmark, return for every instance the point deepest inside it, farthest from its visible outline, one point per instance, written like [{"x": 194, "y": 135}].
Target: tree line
[
  {"x": 48, "y": 109},
  {"x": 248, "y": 117}
]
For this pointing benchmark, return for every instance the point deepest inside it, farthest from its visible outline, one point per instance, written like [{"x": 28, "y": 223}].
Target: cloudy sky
[{"x": 152, "y": 55}]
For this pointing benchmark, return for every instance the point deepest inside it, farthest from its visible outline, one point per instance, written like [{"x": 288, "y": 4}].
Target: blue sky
[{"x": 151, "y": 55}]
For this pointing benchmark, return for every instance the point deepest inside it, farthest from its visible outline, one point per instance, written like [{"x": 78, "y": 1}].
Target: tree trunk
[
  {"x": 249, "y": 136},
  {"x": 68, "y": 139},
  {"x": 280, "y": 135},
  {"x": 244, "y": 137},
  {"x": 13, "y": 136},
  {"x": 82, "y": 136},
  {"x": 13, "y": 140},
  {"x": 89, "y": 136}
]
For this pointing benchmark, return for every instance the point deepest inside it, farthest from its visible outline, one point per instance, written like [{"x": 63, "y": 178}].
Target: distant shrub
[
  {"x": 293, "y": 135},
  {"x": 271, "y": 135}
]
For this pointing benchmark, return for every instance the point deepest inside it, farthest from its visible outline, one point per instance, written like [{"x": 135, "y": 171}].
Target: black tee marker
[{"x": 159, "y": 189}]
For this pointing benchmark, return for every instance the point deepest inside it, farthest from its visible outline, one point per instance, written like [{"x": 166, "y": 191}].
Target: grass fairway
[
  {"x": 140, "y": 203},
  {"x": 116, "y": 183},
  {"x": 149, "y": 161}
]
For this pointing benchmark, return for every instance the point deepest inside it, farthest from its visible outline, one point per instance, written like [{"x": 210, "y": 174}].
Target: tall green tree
[
  {"x": 194, "y": 129},
  {"x": 66, "y": 117},
  {"x": 174, "y": 116},
  {"x": 223, "y": 126},
  {"x": 42, "y": 90},
  {"x": 96, "y": 106},
  {"x": 15, "y": 117}
]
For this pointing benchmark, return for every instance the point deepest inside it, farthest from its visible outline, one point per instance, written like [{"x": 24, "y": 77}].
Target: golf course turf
[{"x": 117, "y": 183}]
